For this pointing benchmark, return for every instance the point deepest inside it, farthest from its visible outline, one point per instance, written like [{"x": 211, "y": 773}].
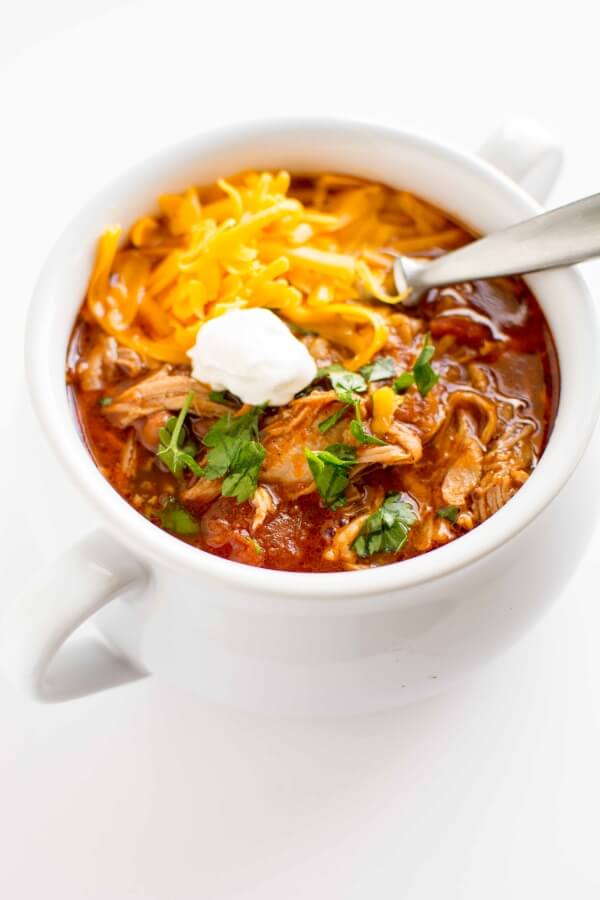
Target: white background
[{"x": 490, "y": 791}]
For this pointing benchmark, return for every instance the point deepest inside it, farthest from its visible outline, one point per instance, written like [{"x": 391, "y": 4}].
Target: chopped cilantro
[
  {"x": 346, "y": 384},
  {"x": 386, "y": 530},
  {"x": 226, "y": 437},
  {"x": 403, "y": 382},
  {"x": 379, "y": 369},
  {"x": 344, "y": 453},
  {"x": 422, "y": 374},
  {"x": 425, "y": 377},
  {"x": 175, "y": 449},
  {"x": 332, "y": 420},
  {"x": 358, "y": 431},
  {"x": 449, "y": 512},
  {"x": 235, "y": 452},
  {"x": 243, "y": 472},
  {"x": 174, "y": 517},
  {"x": 329, "y": 469},
  {"x": 105, "y": 401}
]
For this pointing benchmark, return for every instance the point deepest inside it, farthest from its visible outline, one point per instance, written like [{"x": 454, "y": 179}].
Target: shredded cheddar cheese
[{"x": 246, "y": 243}]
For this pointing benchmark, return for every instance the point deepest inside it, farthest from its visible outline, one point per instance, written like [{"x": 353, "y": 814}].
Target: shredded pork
[
  {"x": 505, "y": 468},
  {"x": 464, "y": 473},
  {"x": 264, "y": 504},
  {"x": 202, "y": 491},
  {"x": 163, "y": 390},
  {"x": 340, "y": 548},
  {"x": 289, "y": 431}
]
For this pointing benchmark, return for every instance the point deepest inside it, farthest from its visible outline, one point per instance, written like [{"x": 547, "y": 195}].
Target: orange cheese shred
[{"x": 319, "y": 256}]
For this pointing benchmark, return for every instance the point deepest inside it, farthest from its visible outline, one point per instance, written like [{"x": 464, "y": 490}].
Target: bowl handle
[
  {"x": 36, "y": 623},
  {"x": 525, "y": 152}
]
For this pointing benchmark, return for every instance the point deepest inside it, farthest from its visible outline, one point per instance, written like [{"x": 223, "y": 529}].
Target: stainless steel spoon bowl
[{"x": 561, "y": 237}]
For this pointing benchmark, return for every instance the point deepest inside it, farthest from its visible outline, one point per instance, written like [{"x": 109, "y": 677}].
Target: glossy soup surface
[{"x": 451, "y": 454}]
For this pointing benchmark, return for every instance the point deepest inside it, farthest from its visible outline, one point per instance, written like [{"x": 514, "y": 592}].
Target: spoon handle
[{"x": 561, "y": 237}]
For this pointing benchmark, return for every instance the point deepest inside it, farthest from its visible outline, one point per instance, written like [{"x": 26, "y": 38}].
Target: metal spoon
[{"x": 561, "y": 237}]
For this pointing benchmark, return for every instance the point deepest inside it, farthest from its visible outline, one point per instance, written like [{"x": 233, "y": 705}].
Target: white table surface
[{"x": 490, "y": 791}]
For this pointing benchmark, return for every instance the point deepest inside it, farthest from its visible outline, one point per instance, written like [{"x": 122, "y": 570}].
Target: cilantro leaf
[
  {"x": 242, "y": 479},
  {"x": 449, "y": 512},
  {"x": 221, "y": 455},
  {"x": 235, "y": 452},
  {"x": 329, "y": 469},
  {"x": 379, "y": 369},
  {"x": 175, "y": 449},
  {"x": 344, "y": 454},
  {"x": 403, "y": 382},
  {"x": 332, "y": 420},
  {"x": 105, "y": 401},
  {"x": 386, "y": 530},
  {"x": 226, "y": 437},
  {"x": 244, "y": 427},
  {"x": 174, "y": 517},
  {"x": 425, "y": 377},
  {"x": 422, "y": 374},
  {"x": 358, "y": 431},
  {"x": 346, "y": 384}
]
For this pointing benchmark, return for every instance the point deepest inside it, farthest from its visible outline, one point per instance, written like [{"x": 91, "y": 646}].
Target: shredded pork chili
[{"x": 452, "y": 454}]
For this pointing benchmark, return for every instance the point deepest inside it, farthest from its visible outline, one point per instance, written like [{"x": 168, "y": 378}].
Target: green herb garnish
[
  {"x": 226, "y": 437},
  {"x": 403, "y": 382},
  {"x": 105, "y": 401},
  {"x": 346, "y": 384},
  {"x": 358, "y": 431},
  {"x": 174, "y": 517},
  {"x": 449, "y": 512},
  {"x": 236, "y": 453},
  {"x": 422, "y": 374},
  {"x": 176, "y": 450},
  {"x": 425, "y": 377},
  {"x": 242, "y": 479},
  {"x": 379, "y": 369},
  {"x": 386, "y": 531},
  {"x": 332, "y": 420},
  {"x": 329, "y": 469}
]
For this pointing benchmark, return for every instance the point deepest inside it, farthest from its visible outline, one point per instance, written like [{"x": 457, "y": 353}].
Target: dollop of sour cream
[{"x": 252, "y": 354}]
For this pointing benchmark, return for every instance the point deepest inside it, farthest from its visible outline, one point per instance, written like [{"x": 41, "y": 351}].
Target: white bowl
[{"x": 300, "y": 642}]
